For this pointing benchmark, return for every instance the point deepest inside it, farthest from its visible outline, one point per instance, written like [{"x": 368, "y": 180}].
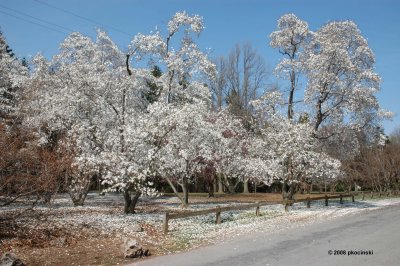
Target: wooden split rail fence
[
  {"x": 379, "y": 194},
  {"x": 218, "y": 210}
]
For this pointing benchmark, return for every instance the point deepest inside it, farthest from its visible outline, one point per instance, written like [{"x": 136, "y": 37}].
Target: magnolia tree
[
  {"x": 174, "y": 125},
  {"x": 90, "y": 93},
  {"x": 185, "y": 66},
  {"x": 342, "y": 83},
  {"x": 340, "y": 92},
  {"x": 229, "y": 150},
  {"x": 290, "y": 38},
  {"x": 12, "y": 75},
  {"x": 182, "y": 139},
  {"x": 289, "y": 150},
  {"x": 85, "y": 94}
]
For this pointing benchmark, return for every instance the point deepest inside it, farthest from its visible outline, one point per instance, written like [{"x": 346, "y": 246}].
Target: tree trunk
[
  {"x": 291, "y": 93},
  {"x": 231, "y": 189},
  {"x": 288, "y": 191},
  {"x": 220, "y": 186},
  {"x": 215, "y": 186},
  {"x": 288, "y": 194},
  {"x": 185, "y": 190},
  {"x": 131, "y": 199},
  {"x": 175, "y": 190},
  {"x": 196, "y": 185},
  {"x": 78, "y": 189},
  {"x": 246, "y": 186},
  {"x": 211, "y": 190},
  {"x": 78, "y": 199},
  {"x": 228, "y": 185}
]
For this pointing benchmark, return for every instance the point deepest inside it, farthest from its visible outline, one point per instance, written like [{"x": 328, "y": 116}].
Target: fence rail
[
  {"x": 218, "y": 210},
  {"x": 380, "y": 194}
]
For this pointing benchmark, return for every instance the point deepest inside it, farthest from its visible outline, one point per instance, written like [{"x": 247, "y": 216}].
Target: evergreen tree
[{"x": 154, "y": 91}]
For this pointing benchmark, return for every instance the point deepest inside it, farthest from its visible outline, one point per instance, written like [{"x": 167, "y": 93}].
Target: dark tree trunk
[
  {"x": 78, "y": 189},
  {"x": 288, "y": 191},
  {"x": 185, "y": 190},
  {"x": 131, "y": 199},
  {"x": 291, "y": 93},
  {"x": 78, "y": 199},
  {"x": 229, "y": 185},
  {"x": 211, "y": 190},
  {"x": 231, "y": 189},
  {"x": 211, "y": 187}
]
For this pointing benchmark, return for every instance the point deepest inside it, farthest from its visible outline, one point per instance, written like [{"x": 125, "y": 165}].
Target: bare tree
[
  {"x": 29, "y": 172},
  {"x": 242, "y": 77},
  {"x": 377, "y": 167},
  {"x": 395, "y": 136},
  {"x": 246, "y": 74},
  {"x": 218, "y": 86}
]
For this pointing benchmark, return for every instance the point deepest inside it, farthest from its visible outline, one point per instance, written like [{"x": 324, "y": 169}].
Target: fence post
[
  {"x": 166, "y": 218},
  {"x": 308, "y": 202},
  {"x": 326, "y": 200},
  {"x": 341, "y": 198},
  {"x": 363, "y": 195},
  {"x": 258, "y": 209},
  {"x": 218, "y": 215}
]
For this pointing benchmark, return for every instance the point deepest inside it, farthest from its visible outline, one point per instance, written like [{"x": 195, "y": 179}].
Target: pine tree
[{"x": 154, "y": 91}]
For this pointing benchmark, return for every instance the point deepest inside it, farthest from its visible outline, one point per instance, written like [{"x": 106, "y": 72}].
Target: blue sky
[{"x": 227, "y": 22}]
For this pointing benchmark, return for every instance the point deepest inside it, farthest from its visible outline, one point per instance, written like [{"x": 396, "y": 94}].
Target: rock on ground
[
  {"x": 132, "y": 249},
  {"x": 10, "y": 259}
]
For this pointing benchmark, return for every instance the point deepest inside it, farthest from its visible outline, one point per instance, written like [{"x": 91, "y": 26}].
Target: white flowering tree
[
  {"x": 291, "y": 36},
  {"x": 342, "y": 83},
  {"x": 289, "y": 150},
  {"x": 228, "y": 151},
  {"x": 174, "y": 124},
  {"x": 185, "y": 67},
  {"x": 85, "y": 93},
  {"x": 182, "y": 139},
  {"x": 12, "y": 76},
  {"x": 340, "y": 94}
]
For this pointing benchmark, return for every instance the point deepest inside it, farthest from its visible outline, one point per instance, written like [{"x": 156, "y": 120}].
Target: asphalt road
[{"x": 376, "y": 231}]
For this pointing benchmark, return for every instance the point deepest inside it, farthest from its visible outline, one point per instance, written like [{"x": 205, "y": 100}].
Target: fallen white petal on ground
[{"x": 107, "y": 219}]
